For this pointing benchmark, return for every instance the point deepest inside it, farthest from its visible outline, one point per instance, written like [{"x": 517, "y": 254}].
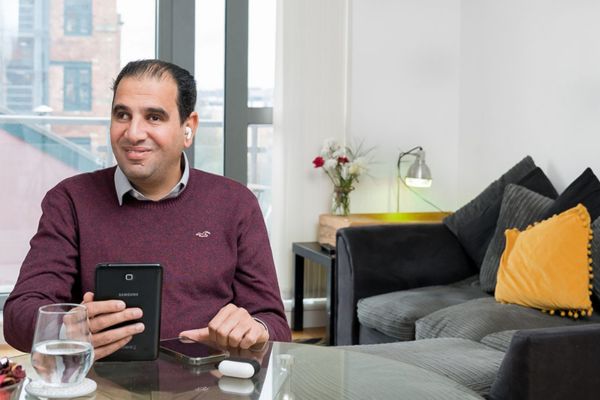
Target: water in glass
[{"x": 62, "y": 352}]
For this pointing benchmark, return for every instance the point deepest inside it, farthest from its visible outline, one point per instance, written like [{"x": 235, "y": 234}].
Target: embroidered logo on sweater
[{"x": 203, "y": 234}]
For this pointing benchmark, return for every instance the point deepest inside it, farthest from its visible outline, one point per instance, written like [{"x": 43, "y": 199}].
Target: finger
[
  {"x": 88, "y": 297},
  {"x": 220, "y": 326},
  {"x": 104, "y": 351},
  {"x": 223, "y": 315},
  {"x": 104, "y": 321},
  {"x": 114, "y": 335},
  {"x": 197, "y": 335},
  {"x": 257, "y": 334},
  {"x": 238, "y": 333},
  {"x": 104, "y": 307}
]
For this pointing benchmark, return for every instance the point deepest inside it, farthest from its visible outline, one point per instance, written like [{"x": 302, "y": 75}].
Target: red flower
[
  {"x": 343, "y": 160},
  {"x": 318, "y": 162}
]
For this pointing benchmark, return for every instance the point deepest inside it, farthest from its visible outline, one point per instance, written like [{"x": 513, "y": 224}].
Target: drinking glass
[{"x": 62, "y": 351}]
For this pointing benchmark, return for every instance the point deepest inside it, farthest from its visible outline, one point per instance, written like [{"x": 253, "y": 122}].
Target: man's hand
[
  {"x": 104, "y": 314},
  {"x": 232, "y": 327}
]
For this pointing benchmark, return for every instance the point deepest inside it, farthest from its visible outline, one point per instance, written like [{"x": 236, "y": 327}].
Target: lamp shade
[{"x": 418, "y": 174}]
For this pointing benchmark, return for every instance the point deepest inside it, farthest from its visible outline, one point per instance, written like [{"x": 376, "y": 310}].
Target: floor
[{"x": 308, "y": 335}]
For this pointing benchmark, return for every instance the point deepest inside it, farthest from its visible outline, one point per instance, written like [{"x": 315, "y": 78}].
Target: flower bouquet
[
  {"x": 11, "y": 376},
  {"x": 343, "y": 166}
]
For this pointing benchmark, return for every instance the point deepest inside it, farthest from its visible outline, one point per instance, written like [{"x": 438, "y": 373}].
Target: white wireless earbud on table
[{"x": 239, "y": 367}]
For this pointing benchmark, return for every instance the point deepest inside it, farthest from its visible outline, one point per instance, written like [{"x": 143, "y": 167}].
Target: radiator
[{"x": 315, "y": 280}]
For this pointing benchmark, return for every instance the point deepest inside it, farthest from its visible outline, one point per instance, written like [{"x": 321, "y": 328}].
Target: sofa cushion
[
  {"x": 474, "y": 223},
  {"x": 469, "y": 363},
  {"x": 547, "y": 266},
  {"x": 368, "y": 335},
  {"x": 520, "y": 207},
  {"x": 585, "y": 189},
  {"x": 477, "y": 318},
  {"x": 395, "y": 313},
  {"x": 499, "y": 340}
]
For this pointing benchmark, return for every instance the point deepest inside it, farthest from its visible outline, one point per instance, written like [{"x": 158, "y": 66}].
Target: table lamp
[{"x": 418, "y": 174}]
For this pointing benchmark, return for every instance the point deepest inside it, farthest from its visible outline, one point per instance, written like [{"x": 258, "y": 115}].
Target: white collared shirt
[{"x": 123, "y": 186}]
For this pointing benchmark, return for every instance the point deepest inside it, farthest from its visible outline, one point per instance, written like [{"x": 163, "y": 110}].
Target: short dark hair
[{"x": 186, "y": 85}]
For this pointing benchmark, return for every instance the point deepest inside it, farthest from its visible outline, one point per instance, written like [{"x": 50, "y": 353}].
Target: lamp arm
[{"x": 405, "y": 153}]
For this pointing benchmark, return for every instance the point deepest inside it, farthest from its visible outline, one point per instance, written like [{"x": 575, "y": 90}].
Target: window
[
  {"x": 41, "y": 75},
  {"x": 209, "y": 71},
  {"x": 78, "y": 87},
  {"x": 261, "y": 52},
  {"x": 235, "y": 137},
  {"x": 78, "y": 17}
]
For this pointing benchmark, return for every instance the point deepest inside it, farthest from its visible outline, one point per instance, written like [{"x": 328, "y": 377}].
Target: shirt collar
[{"x": 123, "y": 186}]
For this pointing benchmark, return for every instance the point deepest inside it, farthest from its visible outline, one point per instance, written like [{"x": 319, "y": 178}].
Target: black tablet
[{"x": 138, "y": 285}]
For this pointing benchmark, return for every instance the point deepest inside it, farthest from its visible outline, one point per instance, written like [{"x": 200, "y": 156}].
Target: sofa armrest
[
  {"x": 551, "y": 363},
  {"x": 384, "y": 258}
]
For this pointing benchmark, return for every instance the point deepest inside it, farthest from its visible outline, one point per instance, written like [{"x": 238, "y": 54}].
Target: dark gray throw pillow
[
  {"x": 520, "y": 207},
  {"x": 474, "y": 223}
]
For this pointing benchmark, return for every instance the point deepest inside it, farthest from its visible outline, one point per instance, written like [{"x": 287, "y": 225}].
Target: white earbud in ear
[{"x": 188, "y": 132}]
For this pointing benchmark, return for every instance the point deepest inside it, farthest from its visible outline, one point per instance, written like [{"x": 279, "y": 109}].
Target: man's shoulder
[
  {"x": 98, "y": 176},
  {"x": 87, "y": 181},
  {"x": 214, "y": 182}
]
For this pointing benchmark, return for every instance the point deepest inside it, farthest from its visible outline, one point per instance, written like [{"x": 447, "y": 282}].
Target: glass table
[{"x": 288, "y": 371}]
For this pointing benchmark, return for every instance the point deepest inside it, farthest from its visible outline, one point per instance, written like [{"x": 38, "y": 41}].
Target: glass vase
[{"x": 340, "y": 201}]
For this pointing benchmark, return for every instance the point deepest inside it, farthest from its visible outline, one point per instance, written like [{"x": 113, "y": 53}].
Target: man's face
[{"x": 146, "y": 135}]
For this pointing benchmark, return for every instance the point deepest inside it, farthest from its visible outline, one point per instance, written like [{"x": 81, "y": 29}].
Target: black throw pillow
[
  {"x": 585, "y": 190},
  {"x": 538, "y": 182},
  {"x": 474, "y": 223}
]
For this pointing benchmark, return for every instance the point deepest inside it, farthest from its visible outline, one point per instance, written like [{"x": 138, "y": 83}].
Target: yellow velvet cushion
[{"x": 548, "y": 266}]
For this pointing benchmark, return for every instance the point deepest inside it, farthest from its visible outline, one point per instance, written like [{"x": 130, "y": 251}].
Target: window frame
[
  {"x": 79, "y": 11},
  {"x": 77, "y": 67},
  {"x": 175, "y": 38}
]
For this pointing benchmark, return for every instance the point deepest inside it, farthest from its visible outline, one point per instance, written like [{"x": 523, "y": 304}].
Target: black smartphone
[
  {"x": 192, "y": 352},
  {"x": 138, "y": 285}
]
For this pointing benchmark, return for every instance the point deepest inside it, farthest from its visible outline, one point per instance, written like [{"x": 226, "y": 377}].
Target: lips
[{"x": 136, "y": 153}]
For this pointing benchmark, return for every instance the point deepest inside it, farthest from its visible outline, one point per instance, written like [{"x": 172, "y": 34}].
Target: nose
[{"x": 136, "y": 131}]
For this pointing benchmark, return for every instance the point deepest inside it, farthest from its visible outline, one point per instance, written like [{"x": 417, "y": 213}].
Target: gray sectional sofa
[
  {"x": 414, "y": 293},
  {"x": 408, "y": 292}
]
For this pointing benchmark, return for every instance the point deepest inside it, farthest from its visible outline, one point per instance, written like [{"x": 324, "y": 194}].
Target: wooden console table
[{"x": 329, "y": 224}]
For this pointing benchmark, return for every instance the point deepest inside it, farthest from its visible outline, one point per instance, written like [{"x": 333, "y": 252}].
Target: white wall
[
  {"x": 310, "y": 101},
  {"x": 385, "y": 71},
  {"x": 404, "y": 92},
  {"x": 478, "y": 83},
  {"x": 530, "y": 84}
]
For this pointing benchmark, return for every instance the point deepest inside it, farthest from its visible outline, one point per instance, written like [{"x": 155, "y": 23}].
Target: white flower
[
  {"x": 345, "y": 171},
  {"x": 357, "y": 166},
  {"x": 339, "y": 153},
  {"x": 330, "y": 164},
  {"x": 329, "y": 146}
]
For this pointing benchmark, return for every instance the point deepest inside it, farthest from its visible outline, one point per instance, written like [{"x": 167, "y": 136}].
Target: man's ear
[{"x": 191, "y": 124}]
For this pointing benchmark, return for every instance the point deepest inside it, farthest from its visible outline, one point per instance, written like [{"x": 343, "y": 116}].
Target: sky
[{"x": 138, "y": 32}]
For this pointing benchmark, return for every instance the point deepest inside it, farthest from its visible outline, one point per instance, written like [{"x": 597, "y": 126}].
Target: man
[{"x": 207, "y": 231}]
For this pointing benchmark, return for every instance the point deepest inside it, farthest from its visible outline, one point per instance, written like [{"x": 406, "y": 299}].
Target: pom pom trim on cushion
[{"x": 575, "y": 313}]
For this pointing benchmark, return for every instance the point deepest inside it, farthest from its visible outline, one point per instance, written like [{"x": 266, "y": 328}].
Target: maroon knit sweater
[{"x": 82, "y": 225}]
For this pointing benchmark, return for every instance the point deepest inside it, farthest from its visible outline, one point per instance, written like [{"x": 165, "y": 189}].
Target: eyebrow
[
  {"x": 157, "y": 110},
  {"x": 119, "y": 107},
  {"x": 149, "y": 110}
]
